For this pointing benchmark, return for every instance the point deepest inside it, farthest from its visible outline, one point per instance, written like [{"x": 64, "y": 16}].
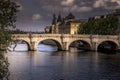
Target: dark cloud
[{"x": 41, "y": 10}]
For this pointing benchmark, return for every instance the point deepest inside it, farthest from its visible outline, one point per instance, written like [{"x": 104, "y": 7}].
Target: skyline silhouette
[{"x": 35, "y": 15}]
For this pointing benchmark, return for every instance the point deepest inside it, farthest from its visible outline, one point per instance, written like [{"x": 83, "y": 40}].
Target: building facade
[
  {"x": 69, "y": 25},
  {"x": 47, "y": 29},
  {"x": 66, "y": 25}
]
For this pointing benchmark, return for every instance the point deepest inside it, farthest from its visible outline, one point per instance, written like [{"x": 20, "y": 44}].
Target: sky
[{"x": 35, "y": 15}]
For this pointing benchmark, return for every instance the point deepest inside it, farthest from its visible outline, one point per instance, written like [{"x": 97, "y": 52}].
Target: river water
[{"x": 63, "y": 65}]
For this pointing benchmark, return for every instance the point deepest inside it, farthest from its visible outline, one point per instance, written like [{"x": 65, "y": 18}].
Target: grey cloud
[
  {"x": 67, "y": 6},
  {"x": 67, "y": 2},
  {"x": 45, "y": 8},
  {"x": 20, "y": 6},
  {"x": 100, "y": 3},
  {"x": 117, "y": 1},
  {"x": 107, "y": 4},
  {"x": 36, "y": 17},
  {"x": 76, "y": 8}
]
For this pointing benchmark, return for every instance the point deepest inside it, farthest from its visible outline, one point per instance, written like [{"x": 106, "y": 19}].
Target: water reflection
[{"x": 63, "y": 65}]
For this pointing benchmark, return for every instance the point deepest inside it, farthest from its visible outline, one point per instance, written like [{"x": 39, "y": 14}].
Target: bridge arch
[
  {"x": 107, "y": 45},
  {"x": 51, "y": 42},
  {"x": 29, "y": 48},
  {"x": 81, "y": 44}
]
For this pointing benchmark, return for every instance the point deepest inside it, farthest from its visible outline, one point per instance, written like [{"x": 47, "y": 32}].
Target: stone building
[
  {"x": 98, "y": 17},
  {"x": 116, "y": 13},
  {"x": 70, "y": 26},
  {"x": 67, "y": 25},
  {"x": 47, "y": 29}
]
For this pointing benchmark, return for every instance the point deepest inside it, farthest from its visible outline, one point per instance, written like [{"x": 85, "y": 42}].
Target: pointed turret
[
  {"x": 59, "y": 19},
  {"x": 54, "y": 19}
]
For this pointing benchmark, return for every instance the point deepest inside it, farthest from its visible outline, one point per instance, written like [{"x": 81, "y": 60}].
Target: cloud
[
  {"x": 36, "y": 17},
  {"x": 67, "y": 2},
  {"x": 76, "y": 8},
  {"x": 117, "y": 1},
  {"x": 20, "y": 6},
  {"x": 100, "y": 3},
  {"x": 107, "y": 4},
  {"x": 52, "y": 8},
  {"x": 81, "y": 8},
  {"x": 85, "y": 9}
]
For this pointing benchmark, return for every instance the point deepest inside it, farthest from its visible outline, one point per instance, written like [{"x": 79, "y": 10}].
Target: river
[{"x": 63, "y": 65}]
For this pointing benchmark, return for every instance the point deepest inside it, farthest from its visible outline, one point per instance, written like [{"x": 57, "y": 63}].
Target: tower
[
  {"x": 59, "y": 19},
  {"x": 54, "y": 20},
  {"x": 54, "y": 24}
]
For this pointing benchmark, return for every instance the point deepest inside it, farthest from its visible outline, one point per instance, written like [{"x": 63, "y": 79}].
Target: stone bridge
[{"x": 64, "y": 41}]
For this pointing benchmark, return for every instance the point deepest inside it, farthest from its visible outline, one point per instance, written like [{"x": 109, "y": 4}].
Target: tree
[
  {"x": 105, "y": 26},
  {"x": 8, "y": 11}
]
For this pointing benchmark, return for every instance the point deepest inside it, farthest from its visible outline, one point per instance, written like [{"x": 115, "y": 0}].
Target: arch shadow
[
  {"x": 51, "y": 42},
  {"x": 80, "y": 45},
  {"x": 107, "y": 47}
]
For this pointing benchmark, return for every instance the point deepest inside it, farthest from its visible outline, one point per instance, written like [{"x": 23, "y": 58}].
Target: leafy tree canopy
[
  {"x": 8, "y": 11},
  {"x": 106, "y": 26}
]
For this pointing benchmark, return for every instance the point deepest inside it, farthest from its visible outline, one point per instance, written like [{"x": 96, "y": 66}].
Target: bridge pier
[
  {"x": 94, "y": 46},
  {"x": 94, "y": 42},
  {"x": 32, "y": 46},
  {"x": 65, "y": 46}
]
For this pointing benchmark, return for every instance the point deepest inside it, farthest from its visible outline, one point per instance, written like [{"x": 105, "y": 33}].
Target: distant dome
[{"x": 70, "y": 16}]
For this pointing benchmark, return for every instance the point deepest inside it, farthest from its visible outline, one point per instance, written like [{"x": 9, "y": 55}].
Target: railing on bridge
[{"x": 64, "y": 36}]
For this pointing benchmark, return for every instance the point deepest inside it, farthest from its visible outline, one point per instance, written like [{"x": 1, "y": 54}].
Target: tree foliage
[
  {"x": 4, "y": 71},
  {"x": 8, "y": 11},
  {"x": 106, "y": 26}
]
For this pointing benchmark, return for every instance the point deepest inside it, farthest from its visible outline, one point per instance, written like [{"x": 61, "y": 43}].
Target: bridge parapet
[
  {"x": 66, "y": 36},
  {"x": 20, "y": 35},
  {"x": 36, "y": 35},
  {"x": 46, "y": 35},
  {"x": 75, "y": 36}
]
